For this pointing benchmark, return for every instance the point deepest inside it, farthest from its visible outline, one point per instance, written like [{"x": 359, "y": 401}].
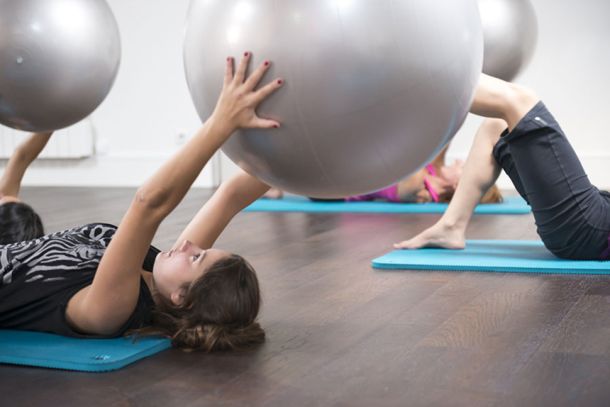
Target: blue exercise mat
[
  {"x": 506, "y": 256},
  {"x": 514, "y": 205},
  {"x": 87, "y": 355}
]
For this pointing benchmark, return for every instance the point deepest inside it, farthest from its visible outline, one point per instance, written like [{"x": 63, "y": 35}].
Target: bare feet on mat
[
  {"x": 274, "y": 193},
  {"x": 439, "y": 235}
]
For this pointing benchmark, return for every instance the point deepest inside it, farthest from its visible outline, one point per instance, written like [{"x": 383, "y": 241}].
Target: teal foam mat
[
  {"x": 87, "y": 355},
  {"x": 507, "y": 256},
  {"x": 511, "y": 206}
]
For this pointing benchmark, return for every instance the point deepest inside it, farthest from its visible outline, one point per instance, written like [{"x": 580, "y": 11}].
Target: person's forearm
[
  {"x": 242, "y": 190},
  {"x": 166, "y": 188},
  {"x": 30, "y": 149},
  {"x": 236, "y": 108},
  {"x": 230, "y": 199},
  {"x": 22, "y": 157}
]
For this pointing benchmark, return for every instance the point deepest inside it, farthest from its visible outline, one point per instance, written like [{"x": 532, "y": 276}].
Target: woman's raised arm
[
  {"x": 104, "y": 307},
  {"x": 230, "y": 199},
  {"x": 24, "y": 155}
]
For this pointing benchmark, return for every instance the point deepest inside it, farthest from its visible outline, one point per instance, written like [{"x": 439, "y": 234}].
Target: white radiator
[{"x": 75, "y": 142}]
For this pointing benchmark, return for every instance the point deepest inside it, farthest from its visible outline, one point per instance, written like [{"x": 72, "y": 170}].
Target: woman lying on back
[{"x": 99, "y": 280}]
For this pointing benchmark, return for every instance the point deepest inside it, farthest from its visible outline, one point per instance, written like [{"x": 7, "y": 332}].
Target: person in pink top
[
  {"x": 522, "y": 138},
  {"x": 435, "y": 182}
]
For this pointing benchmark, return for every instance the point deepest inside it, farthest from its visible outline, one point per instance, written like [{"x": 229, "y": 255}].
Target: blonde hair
[{"x": 493, "y": 195}]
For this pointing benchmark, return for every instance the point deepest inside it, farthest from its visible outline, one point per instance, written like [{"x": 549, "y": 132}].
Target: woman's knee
[
  {"x": 492, "y": 128},
  {"x": 519, "y": 101},
  {"x": 489, "y": 132}
]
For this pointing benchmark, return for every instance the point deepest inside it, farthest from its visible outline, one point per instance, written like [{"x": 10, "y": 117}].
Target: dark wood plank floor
[{"x": 342, "y": 334}]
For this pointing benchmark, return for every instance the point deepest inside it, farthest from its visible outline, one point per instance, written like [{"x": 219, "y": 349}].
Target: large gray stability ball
[
  {"x": 510, "y": 29},
  {"x": 373, "y": 89},
  {"x": 58, "y": 61}
]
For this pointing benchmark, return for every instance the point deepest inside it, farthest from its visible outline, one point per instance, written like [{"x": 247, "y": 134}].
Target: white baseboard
[
  {"x": 131, "y": 170},
  {"x": 117, "y": 170}
]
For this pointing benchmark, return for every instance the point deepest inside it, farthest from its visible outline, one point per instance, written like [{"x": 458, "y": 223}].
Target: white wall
[
  {"x": 139, "y": 123},
  {"x": 149, "y": 109}
]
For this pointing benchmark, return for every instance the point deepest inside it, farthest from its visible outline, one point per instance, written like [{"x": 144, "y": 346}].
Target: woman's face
[
  {"x": 180, "y": 267},
  {"x": 443, "y": 183},
  {"x": 452, "y": 173},
  {"x": 443, "y": 190}
]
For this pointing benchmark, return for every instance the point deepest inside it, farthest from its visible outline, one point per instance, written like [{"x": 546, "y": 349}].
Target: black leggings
[{"x": 572, "y": 216}]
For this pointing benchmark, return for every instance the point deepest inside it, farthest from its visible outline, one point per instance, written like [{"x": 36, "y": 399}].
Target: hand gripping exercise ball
[
  {"x": 58, "y": 61},
  {"x": 373, "y": 89},
  {"x": 510, "y": 29}
]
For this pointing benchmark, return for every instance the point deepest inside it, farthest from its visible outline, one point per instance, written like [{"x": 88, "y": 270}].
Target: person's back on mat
[
  {"x": 99, "y": 280},
  {"x": 435, "y": 182}
]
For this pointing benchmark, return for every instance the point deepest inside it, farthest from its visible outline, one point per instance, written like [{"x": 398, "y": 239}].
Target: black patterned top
[{"x": 39, "y": 277}]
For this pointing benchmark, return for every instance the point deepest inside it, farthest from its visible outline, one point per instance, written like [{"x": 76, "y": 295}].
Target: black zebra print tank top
[{"x": 38, "y": 278}]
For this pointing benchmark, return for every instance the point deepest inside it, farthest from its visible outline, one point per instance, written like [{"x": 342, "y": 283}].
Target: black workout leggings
[{"x": 572, "y": 216}]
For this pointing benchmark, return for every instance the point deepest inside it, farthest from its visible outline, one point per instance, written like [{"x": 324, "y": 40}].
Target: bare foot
[
  {"x": 274, "y": 193},
  {"x": 439, "y": 235}
]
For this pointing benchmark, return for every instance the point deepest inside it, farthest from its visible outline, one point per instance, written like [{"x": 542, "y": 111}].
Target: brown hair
[
  {"x": 493, "y": 195},
  {"x": 218, "y": 312},
  {"x": 18, "y": 223}
]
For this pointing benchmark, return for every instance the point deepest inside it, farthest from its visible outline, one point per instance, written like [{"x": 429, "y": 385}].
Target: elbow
[
  {"x": 152, "y": 202},
  {"x": 236, "y": 197},
  {"x": 228, "y": 192},
  {"x": 243, "y": 189},
  {"x": 228, "y": 200},
  {"x": 226, "y": 195}
]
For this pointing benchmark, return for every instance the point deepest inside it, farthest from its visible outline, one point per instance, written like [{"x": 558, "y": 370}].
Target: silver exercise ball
[
  {"x": 58, "y": 61},
  {"x": 373, "y": 89},
  {"x": 510, "y": 29}
]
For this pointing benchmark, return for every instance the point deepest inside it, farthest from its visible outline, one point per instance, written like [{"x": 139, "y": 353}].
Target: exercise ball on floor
[
  {"x": 58, "y": 61},
  {"x": 510, "y": 30},
  {"x": 373, "y": 90}
]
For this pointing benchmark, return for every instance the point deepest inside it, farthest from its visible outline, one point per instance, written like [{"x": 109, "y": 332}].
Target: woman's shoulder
[
  {"x": 95, "y": 234},
  {"x": 97, "y": 226},
  {"x": 97, "y": 229},
  {"x": 94, "y": 231},
  {"x": 91, "y": 233}
]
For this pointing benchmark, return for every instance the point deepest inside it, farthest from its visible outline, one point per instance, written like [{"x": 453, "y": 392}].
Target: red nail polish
[
  {"x": 266, "y": 63},
  {"x": 275, "y": 126},
  {"x": 246, "y": 54},
  {"x": 280, "y": 82}
]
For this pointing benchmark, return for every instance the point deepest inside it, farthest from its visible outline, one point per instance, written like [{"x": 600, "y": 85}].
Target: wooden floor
[{"x": 342, "y": 334}]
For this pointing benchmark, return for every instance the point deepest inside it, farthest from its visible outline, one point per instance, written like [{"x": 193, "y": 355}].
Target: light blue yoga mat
[
  {"x": 87, "y": 355},
  {"x": 506, "y": 256},
  {"x": 511, "y": 206}
]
